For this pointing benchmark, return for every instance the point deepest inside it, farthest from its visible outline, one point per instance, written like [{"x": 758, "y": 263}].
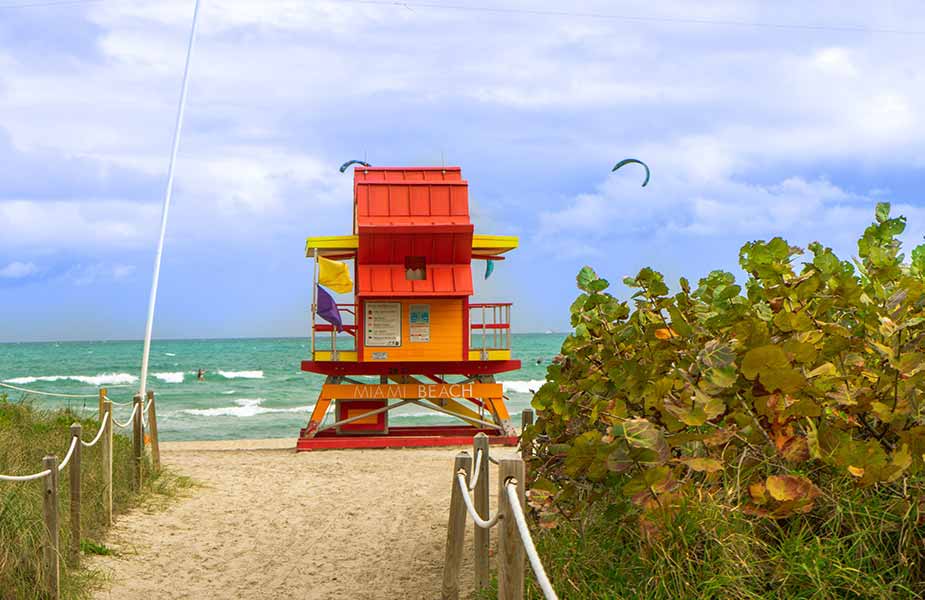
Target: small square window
[{"x": 415, "y": 268}]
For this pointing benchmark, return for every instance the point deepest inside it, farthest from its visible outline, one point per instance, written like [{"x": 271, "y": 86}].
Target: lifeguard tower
[{"x": 410, "y": 336}]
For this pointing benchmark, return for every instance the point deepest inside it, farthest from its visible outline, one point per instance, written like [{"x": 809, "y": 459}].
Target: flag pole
[{"x": 152, "y": 300}]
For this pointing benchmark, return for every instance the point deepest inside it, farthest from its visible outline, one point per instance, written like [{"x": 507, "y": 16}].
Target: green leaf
[
  {"x": 882, "y": 211},
  {"x": 764, "y": 358},
  {"x": 585, "y": 277}
]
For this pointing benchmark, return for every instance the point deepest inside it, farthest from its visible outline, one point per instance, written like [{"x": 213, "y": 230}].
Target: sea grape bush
[{"x": 815, "y": 367}]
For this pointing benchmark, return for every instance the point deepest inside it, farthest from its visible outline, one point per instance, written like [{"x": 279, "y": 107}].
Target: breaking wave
[
  {"x": 523, "y": 387},
  {"x": 96, "y": 380},
  {"x": 241, "y": 374},
  {"x": 246, "y": 407},
  {"x": 176, "y": 377}
]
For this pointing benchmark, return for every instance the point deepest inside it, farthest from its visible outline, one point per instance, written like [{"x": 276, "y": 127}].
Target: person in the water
[{"x": 201, "y": 375}]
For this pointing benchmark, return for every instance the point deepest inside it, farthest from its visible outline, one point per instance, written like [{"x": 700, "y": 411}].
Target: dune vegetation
[
  {"x": 764, "y": 440},
  {"x": 27, "y": 434}
]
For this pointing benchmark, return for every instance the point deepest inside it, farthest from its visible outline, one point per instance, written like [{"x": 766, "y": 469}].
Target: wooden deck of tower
[{"x": 410, "y": 336}]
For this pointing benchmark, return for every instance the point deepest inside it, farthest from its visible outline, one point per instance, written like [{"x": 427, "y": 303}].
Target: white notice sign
[
  {"x": 419, "y": 322},
  {"x": 382, "y": 323}
]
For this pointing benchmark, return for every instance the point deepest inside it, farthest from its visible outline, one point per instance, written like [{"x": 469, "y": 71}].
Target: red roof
[
  {"x": 390, "y": 280},
  {"x": 415, "y": 196},
  {"x": 416, "y": 212}
]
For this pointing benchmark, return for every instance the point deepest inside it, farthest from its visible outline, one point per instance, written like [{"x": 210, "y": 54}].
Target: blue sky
[{"x": 750, "y": 132}]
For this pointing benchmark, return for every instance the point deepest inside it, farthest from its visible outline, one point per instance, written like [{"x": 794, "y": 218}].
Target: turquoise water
[{"x": 253, "y": 388}]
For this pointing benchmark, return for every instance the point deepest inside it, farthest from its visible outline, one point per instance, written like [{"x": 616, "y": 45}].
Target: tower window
[{"x": 415, "y": 268}]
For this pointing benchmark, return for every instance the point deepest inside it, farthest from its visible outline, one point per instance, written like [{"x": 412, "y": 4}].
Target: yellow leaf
[
  {"x": 704, "y": 465},
  {"x": 664, "y": 334},
  {"x": 856, "y": 471}
]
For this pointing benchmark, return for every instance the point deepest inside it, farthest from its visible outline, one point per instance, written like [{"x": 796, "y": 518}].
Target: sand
[{"x": 270, "y": 523}]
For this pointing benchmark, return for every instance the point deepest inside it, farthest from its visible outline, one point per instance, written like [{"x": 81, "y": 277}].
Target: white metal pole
[{"x": 170, "y": 171}]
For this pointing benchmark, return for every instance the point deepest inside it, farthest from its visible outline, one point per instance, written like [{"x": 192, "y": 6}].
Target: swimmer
[{"x": 201, "y": 375}]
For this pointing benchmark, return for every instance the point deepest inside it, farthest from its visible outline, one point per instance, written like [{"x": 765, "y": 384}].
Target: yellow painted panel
[
  {"x": 342, "y": 356},
  {"x": 332, "y": 244},
  {"x": 486, "y": 245},
  {"x": 446, "y": 333},
  {"x": 492, "y": 355},
  {"x": 382, "y": 391}
]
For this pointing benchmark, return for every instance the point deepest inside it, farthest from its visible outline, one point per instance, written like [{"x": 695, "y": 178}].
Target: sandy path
[{"x": 270, "y": 523}]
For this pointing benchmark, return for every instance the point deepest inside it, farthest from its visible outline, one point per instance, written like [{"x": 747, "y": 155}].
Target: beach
[{"x": 270, "y": 523}]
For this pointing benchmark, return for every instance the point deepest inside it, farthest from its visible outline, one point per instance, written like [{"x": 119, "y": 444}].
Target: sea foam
[
  {"x": 176, "y": 377},
  {"x": 523, "y": 387},
  {"x": 246, "y": 407},
  {"x": 241, "y": 374},
  {"x": 97, "y": 380}
]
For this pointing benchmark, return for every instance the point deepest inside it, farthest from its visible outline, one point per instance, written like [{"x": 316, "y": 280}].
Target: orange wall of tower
[{"x": 446, "y": 332}]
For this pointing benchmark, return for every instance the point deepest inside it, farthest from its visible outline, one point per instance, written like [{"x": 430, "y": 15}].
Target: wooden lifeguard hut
[{"x": 410, "y": 335}]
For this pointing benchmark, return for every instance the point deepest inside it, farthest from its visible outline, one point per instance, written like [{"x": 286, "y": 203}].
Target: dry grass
[{"x": 27, "y": 434}]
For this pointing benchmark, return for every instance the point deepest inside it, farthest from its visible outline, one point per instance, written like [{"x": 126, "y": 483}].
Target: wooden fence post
[
  {"x": 510, "y": 546},
  {"x": 482, "y": 536},
  {"x": 138, "y": 444},
  {"x": 50, "y": 555},
  {"x": 106, "y": 462},
  {"x": 455, "y": 531},
  {"x": 74, "y": 476},
  {"x": 526, "y": 420},
  {"x": 152, "y": 431},
  {"x": 102, "y": 400}
]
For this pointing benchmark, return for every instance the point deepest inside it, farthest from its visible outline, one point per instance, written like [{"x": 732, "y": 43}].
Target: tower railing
[
  {"x": 329, "y": 341},
  {"x": 490, "y": 327}
]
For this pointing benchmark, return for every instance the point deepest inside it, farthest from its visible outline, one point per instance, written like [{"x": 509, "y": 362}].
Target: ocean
[{"x": 253, "y": 388}]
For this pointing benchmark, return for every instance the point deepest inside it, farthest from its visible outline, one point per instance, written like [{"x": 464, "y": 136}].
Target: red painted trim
[
  {"x": 403, "y": 437},
  {"x": 365, "y": 405},
  {"x": 325, "y": 328},
  {"x": 361, "y": 334},
  {"x": 461, "y": 367},
  {"x": 467, "y": 333},
  {"x": 491, "y": 326}
]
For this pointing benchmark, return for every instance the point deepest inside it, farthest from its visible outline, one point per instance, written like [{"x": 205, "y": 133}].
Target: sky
[{"x": 795, "y": 125}]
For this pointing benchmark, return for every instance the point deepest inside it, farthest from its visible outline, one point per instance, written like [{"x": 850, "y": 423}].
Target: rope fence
[
  {"x": 72, "y": 460},
  {"x": 41, "y": 393},
  {"x": 514, "y": 540}
]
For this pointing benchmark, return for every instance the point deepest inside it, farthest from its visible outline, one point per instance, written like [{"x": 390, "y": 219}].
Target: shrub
[{"x": 756, "y": 398}]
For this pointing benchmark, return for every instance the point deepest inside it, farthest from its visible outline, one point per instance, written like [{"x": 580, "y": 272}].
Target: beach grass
[
  {"x": 858, "y": 543},
  {"x": 27, "y": 434}
]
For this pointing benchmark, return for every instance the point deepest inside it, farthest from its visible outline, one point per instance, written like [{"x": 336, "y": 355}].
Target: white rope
[
  {"x": 39, "y": 393},
  {"x": 152, "y": 300},
  {"x": 491, "y": 522},
  {"x": 130, "y": 419},
  {"x": 474, "y": 478},
  {"x": 99, "y": 434},
  {"x": 114, "y": 403},
  {"x": 70, "y": 453},
  {"x": 538, "y": 570},
  {"x": 25, "y": 477}
]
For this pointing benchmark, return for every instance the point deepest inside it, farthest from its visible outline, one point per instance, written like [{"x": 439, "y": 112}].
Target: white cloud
[
  {"x": 77, "y": 225},
  {"x": 18, "y": 270},
  {"x": 83, "y": 275}
]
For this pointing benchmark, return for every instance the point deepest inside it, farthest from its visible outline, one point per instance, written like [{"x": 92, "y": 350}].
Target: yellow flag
[{"x": 334, "y": 275}]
